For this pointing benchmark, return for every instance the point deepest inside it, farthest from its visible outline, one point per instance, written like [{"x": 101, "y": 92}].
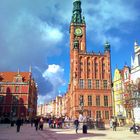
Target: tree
[{"x": 131, "y": 96}]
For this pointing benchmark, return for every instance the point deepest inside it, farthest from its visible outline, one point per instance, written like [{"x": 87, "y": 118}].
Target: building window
[
  {"x": 16, "y": 89},
  {"x": 81, "y": 100},
  {"x": 89, "y": 84},
  {"x": 14, "y": 110},
  {"x": 106, "y": 115},
  {"x": 1, "y": 99},
  {"x": 106, "y": 101},
  {"x": 105, "y": 84},
  {"x": 89, "y": 113},
  {"x": 8, "y": 90},
  {"x": 97, "y": 84},
  {"x": 81, "y": 83},
  {"x": 98, "y": 114},
  {"x": 15, "y": 99},
  {"x": 97, "y": 100},
  {"x": 1, "y": 88},
  {"x": 81, "y": 63},
  {"x": 103, "y": 70},
  {"x": 89, "y": 100}
]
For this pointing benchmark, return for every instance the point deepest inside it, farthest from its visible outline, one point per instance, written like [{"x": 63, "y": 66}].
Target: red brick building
[
  {"x": 18, "y": 95},
  {"x": 90, "y": 73}
]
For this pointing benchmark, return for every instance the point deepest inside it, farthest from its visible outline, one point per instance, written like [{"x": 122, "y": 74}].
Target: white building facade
[{"x": 135, "y": 77}]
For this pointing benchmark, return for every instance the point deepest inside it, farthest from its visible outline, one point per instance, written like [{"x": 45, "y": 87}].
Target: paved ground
[{"x": 29, "y": 133}]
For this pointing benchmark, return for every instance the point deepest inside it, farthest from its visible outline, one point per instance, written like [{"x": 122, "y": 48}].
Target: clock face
[{"x": 78, "y": 31}]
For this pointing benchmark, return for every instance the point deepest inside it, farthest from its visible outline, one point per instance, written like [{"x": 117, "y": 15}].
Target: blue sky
[{"x": 36, "y": 33}]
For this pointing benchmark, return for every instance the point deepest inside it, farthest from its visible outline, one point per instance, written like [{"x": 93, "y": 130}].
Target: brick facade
[
  {"x": 90, "y": 74},
  {"x": 18, "y": 95}
]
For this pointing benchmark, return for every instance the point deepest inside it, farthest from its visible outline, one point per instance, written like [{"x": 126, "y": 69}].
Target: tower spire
[
  {"x": 77, "y": 10},
  {"x": 18, "y": 71},
  {"x": 30, "y": 69}
]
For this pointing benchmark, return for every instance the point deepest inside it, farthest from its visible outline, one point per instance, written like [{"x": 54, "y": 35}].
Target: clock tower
[
  {"x": 77, "y": 28},
  {"x": 89, "y": 91},
  {"x": 77, "y": 36}
]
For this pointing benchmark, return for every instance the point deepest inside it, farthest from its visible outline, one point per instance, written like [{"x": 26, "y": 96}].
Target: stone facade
[{"x": 135, "y": 77}]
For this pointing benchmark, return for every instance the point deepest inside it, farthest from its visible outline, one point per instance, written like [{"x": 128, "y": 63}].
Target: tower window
[
  {"x": 89, "y": 83},
  {"x": 81, "y": 83},
  {"x": 106, "y": 101},
  {"x": 97, "y": 100},
  {"x": 89, "y": 100},
  {"x": 105, "y": 84},
  {"x": 97, "y": 84}
]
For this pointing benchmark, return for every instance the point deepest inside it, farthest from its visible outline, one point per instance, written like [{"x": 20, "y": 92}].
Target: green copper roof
[
  {"x": 77, "y": 10},
  {"x": 107, "y": 46}
]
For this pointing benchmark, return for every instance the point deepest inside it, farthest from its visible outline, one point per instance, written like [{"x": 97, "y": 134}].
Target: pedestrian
[
  {"x": 36, "y": 121},
  {"x": 134, "y": 128},
  {"x": 18, "y": 123},
  {"x": 76, "y": 123},
  {"x": 114, "y": 124},
  {"x": 32, "y": 121},
  {"x": 50, "y": 123},
  {"x": 41, "y": 123},
  {"x": 111, "y": 123}
]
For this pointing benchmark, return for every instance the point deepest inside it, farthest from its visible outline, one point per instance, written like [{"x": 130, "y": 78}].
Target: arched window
[
  {"x": 88, "y": 67},
  {"x": 96, "y": 67},
  {"x": 103, "y": 68}
]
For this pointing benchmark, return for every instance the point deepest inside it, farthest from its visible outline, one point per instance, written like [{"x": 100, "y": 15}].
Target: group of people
[
  {"x": 55, "y": 122},
  {"x": 38, "y": 123}
]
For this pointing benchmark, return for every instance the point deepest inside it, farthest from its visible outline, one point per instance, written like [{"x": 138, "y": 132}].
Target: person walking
[
  {"x": 114, "y": 124},
  {"x": 18, "y": 123},
  {"x": 32, "y": 121},
  {"x": 41, "y": 123},
  {"x": 76, "y": 123},
  {"x": 134, "y": 128},
  {"x": 36, "y": 121}
]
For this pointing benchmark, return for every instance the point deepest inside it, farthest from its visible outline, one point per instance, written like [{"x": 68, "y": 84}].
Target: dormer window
[{"x": 18, "y": 79}]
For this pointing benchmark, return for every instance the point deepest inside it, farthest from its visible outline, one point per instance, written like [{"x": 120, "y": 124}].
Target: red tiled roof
[{"x": 9, "y": 76}]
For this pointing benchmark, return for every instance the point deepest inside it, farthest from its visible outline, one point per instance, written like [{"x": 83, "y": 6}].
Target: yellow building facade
[{"x": 119, "y": 110}]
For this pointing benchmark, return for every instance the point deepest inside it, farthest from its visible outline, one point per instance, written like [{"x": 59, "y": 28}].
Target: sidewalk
[{"x": 29, "y": 133}]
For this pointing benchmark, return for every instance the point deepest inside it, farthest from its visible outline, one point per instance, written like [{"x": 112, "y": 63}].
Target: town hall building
[{"x": 89, "y": 89}]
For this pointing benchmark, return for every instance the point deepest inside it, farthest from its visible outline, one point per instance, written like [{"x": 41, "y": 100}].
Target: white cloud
[
  {"x": 106, "y": 15},
  {"x": 55, "y": 69},
  {"x": 54, "y": 75},
  {"x": 50, "y": 33}
]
